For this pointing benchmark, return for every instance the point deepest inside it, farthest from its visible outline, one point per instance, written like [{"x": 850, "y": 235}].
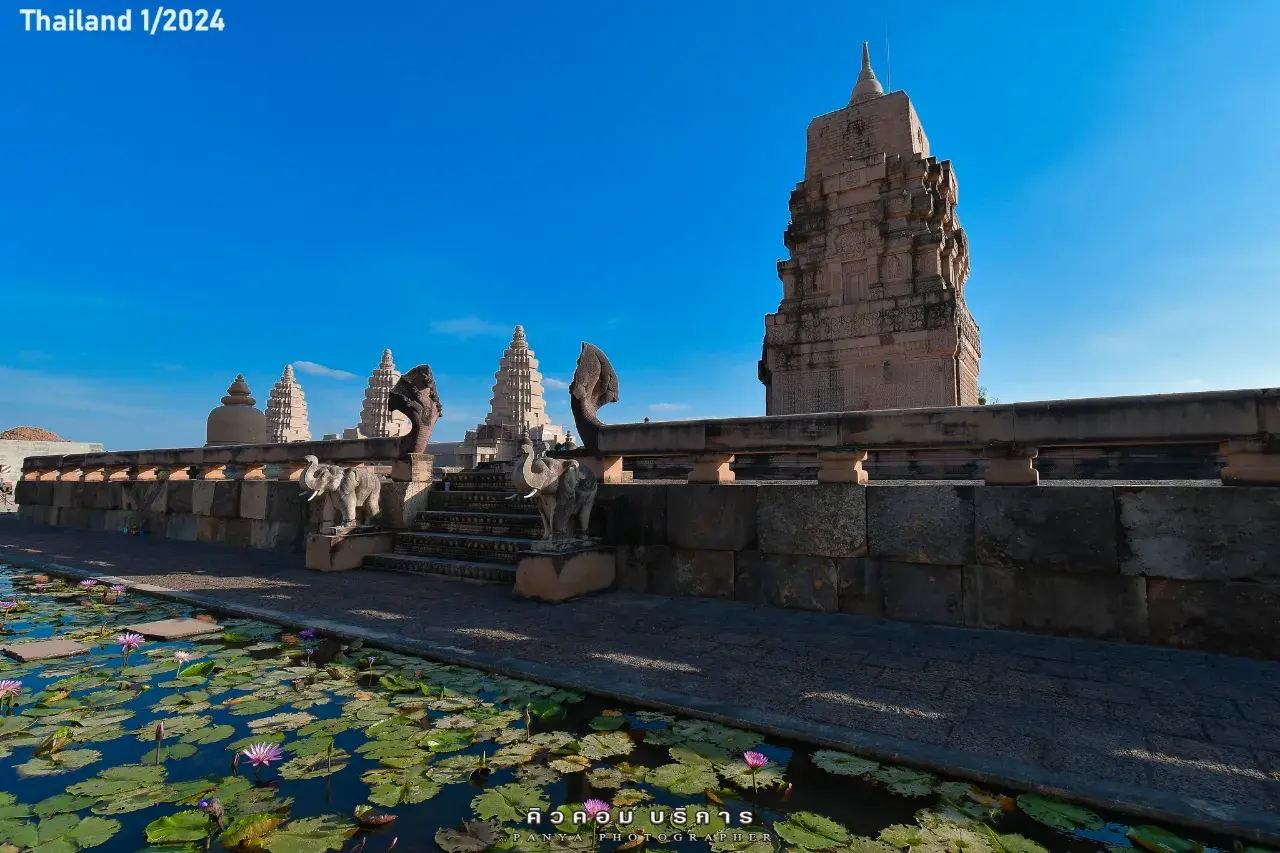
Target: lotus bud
[
  {"x": 392, "y": 844},
  {"x": 235, "y": 763}
]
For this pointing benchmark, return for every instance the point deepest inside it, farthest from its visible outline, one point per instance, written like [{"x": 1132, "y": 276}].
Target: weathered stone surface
[
  {"x": 66, "y": 494},
  {"x": 238, "y": 532},
  {"x": 181, "y": 527},
  {"x": 820, "y": 519},
  {"x": 174, "y": 629},
  {"x": 714, "y": 517},
  {"x": 25, "y": 492},
  {"x": 560, "y": 577},
  {"x": 180, "y": 496},
  {"x": 635, "y": 565},
  {"x": 276, "y": 535},
  {"x": 1062, "y": 528},
  {"x": 915, "y": 592},
  {"x": 210, "y": 529},
  {"x": 400, "y": 502},
  {"x": 87, "y": 494},
  {"x": 631, "y": 514},
  {"x": 701, "y": 573},
  {"x": 344, "y": 551},
  {"x": 44, "y": 493},
  {"x": 921, "y": 523},
  {"x": 1200, "y": 533},
  {"x": 285, "y": 502},
  {"x": 1092, "y": 604},
  {"x": 202, "y": 496},
  {"x": 860, "y": 591},
  {"x": 44, "y": 650},
  {"x": 1239, "y": 618},
  {"x": 150, "y": 497},
  {"x": 108, "y": 496},
  {"x": 798, "y": 581},
  {"x": 218, "y": 498},
  {"x": 253, "y": 499}
]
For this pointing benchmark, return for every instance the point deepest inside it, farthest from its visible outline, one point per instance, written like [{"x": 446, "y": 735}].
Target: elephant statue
[
  {"x": 562, "y": 488},
  {"x": 347, "y": 489}
]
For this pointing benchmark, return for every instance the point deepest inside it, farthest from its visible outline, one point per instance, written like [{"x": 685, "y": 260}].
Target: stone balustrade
[
  {"x": 232, "y": 462},
  {"x": 1246, "y": 424}
]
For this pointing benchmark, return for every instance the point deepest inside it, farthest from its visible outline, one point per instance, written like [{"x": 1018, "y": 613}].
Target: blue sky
[{"x": 313, "y": 184}]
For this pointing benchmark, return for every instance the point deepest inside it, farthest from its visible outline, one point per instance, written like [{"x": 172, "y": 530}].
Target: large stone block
[
  {"x": 859, "y": 589},
  {"x": 150, "y": 497},
  {"x": 285, "y": 503},
  {"x": 632, "y": 513},
  {"x": 238, "y": 532},
  {"x": 921, "y": 523},
  {"x": 226, "y": 499},
  {"x": 66, "y": 494},
  {"x": 1112, "y": 607},
  {"x": 818, "y": 519},
  {"x": 345, "y": 551},
  {"x": 202, "y": 496},
  {"x": 110, "y": 496},
  {"x": 111, "y": 520},
  {"x": 1060, "y": 528},
  {"x": 709, "y": 516},
  {"x": 180, "y": 496},
  {"x": 87, "y": 495},
  {"x": 253, "y": 499},
  {"x": 798, "y": 581},
  {"x": 210, "y": 529},
  {"x": 1236, "y": 618},
  {"x": 400, "y": 503},
  {"x": 702, "y": 573},
  {"x": 635, "y": 565},
  {"x": 1200, "y": 532},
  {"x": 26, "y": 492},
  {"x": 276, "y": 536},
  {"x": 915, "y": 592},
  {"x": 182, "y": 527},
  {"x": 44, "y": 493},
  {"x": 556, "y": 577}
]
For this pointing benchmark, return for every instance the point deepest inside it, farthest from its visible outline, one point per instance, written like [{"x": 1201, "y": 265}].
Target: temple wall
[{"x": 1194, "y": 567}]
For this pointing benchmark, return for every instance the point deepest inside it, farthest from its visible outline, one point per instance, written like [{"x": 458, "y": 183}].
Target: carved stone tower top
[
  {"x": 236, "y": 421},
  {"x": 517, "y": 389},
  {"x": 376, "y": 420},
  {"x": 872, "y": 313},
  {"x": 287, "y": 411}
]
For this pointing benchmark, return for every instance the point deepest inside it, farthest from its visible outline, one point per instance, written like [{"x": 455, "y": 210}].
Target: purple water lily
[
  {"x": 307, "y": 634},
  {"x": 119, "y": 589},
  {"x": 129, "y": 642},
  {"x": 9, "y": 690},
  {"x": 88, "y": 583},
  {"x": 595, "y": 808},
  {"x": 262, "y": 753},
  {"x": 754, "y": 760}
]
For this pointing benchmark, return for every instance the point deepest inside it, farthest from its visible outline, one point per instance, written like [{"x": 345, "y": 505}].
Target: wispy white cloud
[
  {"x": 320, "y": 370},
  {"x": 666, "y": 407},
  {"x": 466, "y": 327},
  {"x": 551, "y": 382}
]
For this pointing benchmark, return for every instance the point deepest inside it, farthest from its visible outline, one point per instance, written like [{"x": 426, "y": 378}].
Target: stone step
[
  {"x": 514, "y": 524},
  {"x": 462, "y": 546},
  {"x": 442, "y": 567},
  {"x": 452, "y": 501},
  {"x": 480, "y": 481}
]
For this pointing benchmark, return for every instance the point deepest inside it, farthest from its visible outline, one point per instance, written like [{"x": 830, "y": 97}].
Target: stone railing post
[
  {"x": 1011, "y": 464},
  {"x": 92, "y": 473},
  {"x": 1252, "y": 461},
  {"x": 712, "y": 468},
  {"x": 71, "y": 474},
  {"x": 146, "y": 473},
  {"x": 293, "y": 471},
  {"x": 253, "y": 471},
  {"x": 119, "y": 473},
  {"x": 213, "y": 472},
  {"x": 48, "y": 474},
  {"x": 178, "y": 473},
  {"x": 842, "y": 466},
  {"x": 608, "y": 469}
]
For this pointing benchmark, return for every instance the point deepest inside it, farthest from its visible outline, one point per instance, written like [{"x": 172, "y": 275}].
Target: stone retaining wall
[{"x": 1187, "y": 566}]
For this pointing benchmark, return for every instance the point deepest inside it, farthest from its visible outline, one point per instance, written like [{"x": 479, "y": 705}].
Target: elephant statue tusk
[
  {"x": 531, "y": 494},
  {"x": 313, "y": 496}
]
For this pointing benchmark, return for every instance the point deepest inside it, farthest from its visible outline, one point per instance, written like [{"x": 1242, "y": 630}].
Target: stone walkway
[{"x": 1158, "y": 731}]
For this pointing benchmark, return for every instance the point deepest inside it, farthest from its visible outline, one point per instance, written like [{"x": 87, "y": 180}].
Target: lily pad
[
  {"x": 310, "y": 835},
  {"x": 684, "y": 778},
  {"x": 842, "y": 763},
  {"x": 1058, "y": 814},
  {"x": 1159, "y": 840},
  {"x": 812, "y": 831},
  {"x": 471, "y": 837},
  {"x": 509, "y": 802},
  {"x": 599, "y": 746},
  {"x": 189, "y": 825},
  {"x": 249, "y": 830}
]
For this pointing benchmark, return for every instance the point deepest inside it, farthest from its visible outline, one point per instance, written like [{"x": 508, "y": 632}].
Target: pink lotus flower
[
  {"x": 130, "y": 641},
  {"x": 88, "y": 584},
  {"x": 755, "y": 760},
  {"x": 40, "y": 587},
  {"x": 9, "y": 689},
  {"x": 307, "y": 634},
  {"x": 593, "y": 808},
  {"x": 117, "y": 589},
  {"x": 6, "y": 606},
  {"x": 263, "y": 753}
]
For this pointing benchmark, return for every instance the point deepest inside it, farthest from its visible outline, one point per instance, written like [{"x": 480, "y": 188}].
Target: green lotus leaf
[
  {"x": 812, "y": 831},
  {"x": 171, "y": 752},
  {"x": 61, "y": 804},
  {"x": 902, "y": 780},
  {"x": 509, "y": 802},
  {"x": 372, "y": 712},
  {"x": 572, "y": 763},
  {"x": 110, "y": 698},
  {"x": 455, "y": 768},
  {"x": 281, "y": 722},
  {"x": 61, "y": 762},
  {"x": 471, "y": 837},
  {"x": 1058, "y": 814},
  {"x": 708, "y": 732},
  {"x": 450, "y": 740},
  {"x": 684, "y": 778},
  {"x": 188, "y": 825},
  {"x": 606, "y": 745},
  {"x": 745, "y": 844},
  {"x": 536, "y": 775},
  {"x": 842, "y": 763},
  {"x": 608, "y": 724},
  {"x": 514, "y": 754},
  {"x": 89, "y": 832},
  {"x": 9, "y": 725},
  {"x": 1159, "y": 840},
  {"x": 375, "y": 750},
  {"x": 317, "y": 745},
  {"x": 1013, "y": 843},
  {"x": 250, "y": 707},
  {"x": 133, "y": 801},
  {"x": 455, "y": 721},
  {"x": 769, "y": 776},
  {"x": 20, "y": 834},
  {"x": 209, "y": 734},
  {"x": 325, "y": 727},
  {"x": 314, "y": 766},
  {"x": 546, "y": 710},
  {"x": 200, "y": 668},
  {"x": 172, "y": 726},
  {"x": 405, "y": 791},
  {"x": 246, "y": 742},
  {"x": 249, "y": 830},
  {"x": 11, "y": 809}
]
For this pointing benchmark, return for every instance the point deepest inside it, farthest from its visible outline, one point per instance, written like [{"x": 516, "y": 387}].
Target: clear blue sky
[{"x": 315, "y": 183}]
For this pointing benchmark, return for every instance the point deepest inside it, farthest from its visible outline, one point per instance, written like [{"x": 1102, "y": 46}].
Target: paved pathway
[{"x": 1161, "y": 731}]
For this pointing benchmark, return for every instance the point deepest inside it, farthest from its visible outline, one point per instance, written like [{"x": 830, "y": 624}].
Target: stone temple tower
[
  {"x": 376, "y": 421},
  {"x": 873, "y": 313},
  {"x": 287, "y": 411}
]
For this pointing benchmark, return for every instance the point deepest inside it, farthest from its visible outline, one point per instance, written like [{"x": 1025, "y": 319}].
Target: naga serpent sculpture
[
  {"x": 415, "y": 395},
  {"x": 594, "y": 384}
]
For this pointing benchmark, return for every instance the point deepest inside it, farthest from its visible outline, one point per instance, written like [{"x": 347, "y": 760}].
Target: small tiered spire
[
  {"x": 517, "y": 389},
  {"x": 868, "y": 86},
  {"x": 376, "y": 420},
  {"x": 287, "y": 411},
  {"x": 238, "y": 393}
]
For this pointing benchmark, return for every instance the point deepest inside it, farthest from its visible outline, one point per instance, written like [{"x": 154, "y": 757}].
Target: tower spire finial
[{"x": 868, "y": 86}]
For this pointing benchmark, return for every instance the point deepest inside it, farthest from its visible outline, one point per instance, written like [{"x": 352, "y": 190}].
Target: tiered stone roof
[
  {"x": 287, "y": 411},
  {"x": 375, "y": 419},
  {"x": 517, "y": 390}
]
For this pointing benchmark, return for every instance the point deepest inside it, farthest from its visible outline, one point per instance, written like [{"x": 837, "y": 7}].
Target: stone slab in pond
[
  {"x": 174, "y": 629},
  {"x": 44, "y": 650}
]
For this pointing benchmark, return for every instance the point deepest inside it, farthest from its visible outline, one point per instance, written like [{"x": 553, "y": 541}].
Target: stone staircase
[{"x": 471, "y": 531}]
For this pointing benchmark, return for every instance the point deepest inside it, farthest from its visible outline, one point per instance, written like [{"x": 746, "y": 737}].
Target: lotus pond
[{"x": 254, "y": 739}]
